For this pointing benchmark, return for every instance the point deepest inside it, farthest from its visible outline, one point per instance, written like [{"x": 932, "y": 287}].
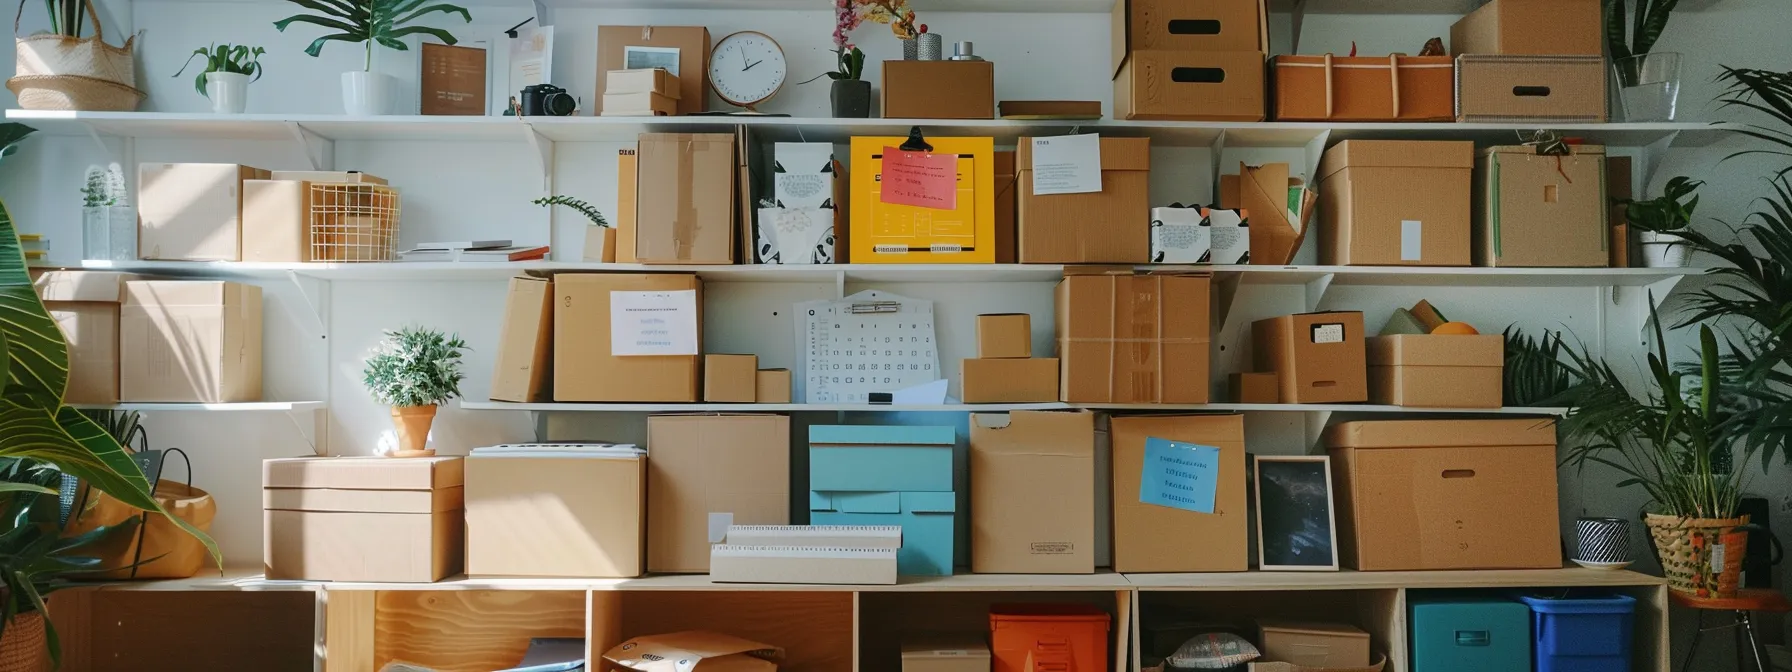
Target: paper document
[
  {"x": 1179, "y": 475},
  {"x": 920, "y": 179},
  {"x": 653, "y": 323},
  {"x": 1067, "y": 164},
  {"x": 926, "y": 394}
]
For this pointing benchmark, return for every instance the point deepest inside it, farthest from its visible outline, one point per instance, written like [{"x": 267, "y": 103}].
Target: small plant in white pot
[
  {"x": 365, "y": 22},
  {"x": 414, "y": 371},
  {"x": 1660, "y": 220},
  {"x": 228, "y": 71}
]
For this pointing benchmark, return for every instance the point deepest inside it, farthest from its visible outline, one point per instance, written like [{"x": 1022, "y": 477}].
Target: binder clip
[{"x": 916, "y": 142}]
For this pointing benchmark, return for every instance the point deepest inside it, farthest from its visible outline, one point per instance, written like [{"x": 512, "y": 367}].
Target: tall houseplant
[
  {"x": 367, "y": 22},
  {"x": 414, "y": 371}
]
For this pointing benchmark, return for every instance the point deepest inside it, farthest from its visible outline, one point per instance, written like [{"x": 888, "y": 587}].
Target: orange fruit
[{"x": 1455, "y": 329}]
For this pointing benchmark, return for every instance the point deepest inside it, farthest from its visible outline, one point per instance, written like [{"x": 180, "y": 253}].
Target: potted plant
[
  {"x": 225, "y": 79},
  {"x": 600, "y": 238},
  {"x": 851, "y": 95},
  {"x": 60, "y": 69},
  {"x": 36, "y": 560},
  {"x": 901, "y": 20},
  {"x": 1663, "y": 221},
  {"x": 366, "y": 22},
  {"x": 108, "y": 224},
  {"x": 1648, "y": 84},
  {"x": 414, "y": 371}
]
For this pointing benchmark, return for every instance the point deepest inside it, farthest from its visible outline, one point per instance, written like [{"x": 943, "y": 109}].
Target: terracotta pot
[
  {"x": 1700, "y": 556},
  {"x": 412, "y": 423},
  {"x": 23, "y": 648}
]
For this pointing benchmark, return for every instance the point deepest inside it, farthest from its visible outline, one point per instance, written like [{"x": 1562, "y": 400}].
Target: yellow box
[{"x": 882, "y": 233}]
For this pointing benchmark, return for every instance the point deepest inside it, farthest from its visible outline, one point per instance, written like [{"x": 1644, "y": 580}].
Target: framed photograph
[{"x": 1297, "y": 528}]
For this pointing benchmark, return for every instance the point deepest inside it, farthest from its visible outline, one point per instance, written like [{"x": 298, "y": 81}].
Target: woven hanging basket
[
  {"x": 22, "y": 648},
  {"x": 1701, "y": 556},
  {"x": 58, "y": 72}
]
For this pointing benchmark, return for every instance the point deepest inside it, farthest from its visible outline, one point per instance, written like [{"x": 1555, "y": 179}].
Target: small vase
[
  {"x": 228, "y": 91},
  {"x": 1663, "y": 250},
  {"x": 1602, "y": 543},
  {"x": 366, "y": 94},
  {"x": 851, "y": 98},
  {"x": 96, "y": 233},
  {"x": 932, "y": 47},
  {"x": 911, "y": 50},
  {"x": 412, "y": 423},
  {"x": 122, "y": 220},
  {"x": 23, "y": 648},
  {"x": 1648, "y": 86}
]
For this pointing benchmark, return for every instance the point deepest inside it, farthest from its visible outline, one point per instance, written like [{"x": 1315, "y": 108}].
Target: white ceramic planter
[
  {"x": 228, "y": 91},
  {"x": 366, "y": 94},
  {"x": 1663, "y": 250}
]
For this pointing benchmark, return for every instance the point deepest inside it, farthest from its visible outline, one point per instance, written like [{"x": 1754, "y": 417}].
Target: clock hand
[{"x": 750, "y": 65}]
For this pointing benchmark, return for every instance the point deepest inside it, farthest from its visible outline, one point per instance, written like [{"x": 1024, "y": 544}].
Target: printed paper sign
[
  {"x": 920, "y": 179},
  {"x": 644, "y": 58},
  {"x": 1067, "y": 164},
  {"x": 653, "y": 323},
  {"x": 1179, "y": 475}
]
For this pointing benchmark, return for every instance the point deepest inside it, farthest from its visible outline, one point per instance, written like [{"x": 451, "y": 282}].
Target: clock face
[{"x": 746, "y": 68}]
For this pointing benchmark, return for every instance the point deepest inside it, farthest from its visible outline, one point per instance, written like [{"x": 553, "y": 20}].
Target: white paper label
[
  {"x": 1328, "y": 333},
  {"x": 1717, "y": 558},
  {"x": 1412, "y": 239},
  {"x": 1067, "y": 164},
  {"x": 653, "y": 323},
  {"x": 718, "y": 527},
  {"x": 642, "y": 58}
]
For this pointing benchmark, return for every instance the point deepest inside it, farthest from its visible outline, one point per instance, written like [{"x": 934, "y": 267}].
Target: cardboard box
[
  {"x": 1255, "y": 388},
  {"x": 1618, "y": 189},
  {"x": 888, "y": 475},
  {"x": 191, "y": 211},
  {"x": 731, "y": 379},
  {"x": 1437, "y": 371},
  {"x": 276, "y": 221},
  {"x": 643, "y": 80},
  {"x": 1005, "y": 336},
  {"x": 1032, "y": 492},
  {"x": 1549, "y": 211},
  {"x": 697, "y": 651},
  {"x": 190, "y": 342},
  {"x": 1279, "y": 208},
  {"x": 327, "y": 176},
  {"x": 1007, "y": 209},
  {"x": 1180, "y": 235},
  {"x": 938, "y": 90},
  {"x": 85, "y": 305},
  {"x": 1532, "y": 28},
  {"x": 1318, "y": 358},
  {"x": 1364, "y": 88},
  {"x": 692, "y": 43},
  {"x": 1133, "y": 339},
  {"x": 945, "y": 653},
  {"x": 627, "y": 163},
  {"x": 362, "y": 518},
  {"x": 585, "y": 369},
  {"x": 556, "y": 516},
  {"x": 685, "y": 211},
  {"x": 1228, "y": 236},
  {"x": 600, "y": 245},
  {"x": 1191, "y": 85},
  {"x": 1099, "y": 227},
  {"x": 1049, "y": 109},
  {"x": 1150, "y": 538},
  {"x": 1446, "y": 494},
  {"x": 522, "y": 371},
  {"x": 883, "y": 233},
  {"x": 1179, "y": 25},
  {"x": 1396, "y": 203},
  {"x": 806, "y": 565},
  {"x": 772, "y": 386},
  {"x": 1531, "y": 89},
  {"x": 1323, "y": 645},
  {"x": 709, "y": 472},
  {"x": 1010, "y": 381},
  {"x": 644, "y": 104}
]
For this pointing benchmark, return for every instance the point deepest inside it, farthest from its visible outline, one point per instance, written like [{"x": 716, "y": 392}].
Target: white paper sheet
[
  {"x": 642, "y": 58},
  {"x": 653, "y": 323},
  {"x": 872, "y": 341},
  {"x": 1067, "y": 164}
]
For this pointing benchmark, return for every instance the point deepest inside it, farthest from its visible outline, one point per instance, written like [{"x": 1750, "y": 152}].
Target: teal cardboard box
[{"x": 888, "y": 475}]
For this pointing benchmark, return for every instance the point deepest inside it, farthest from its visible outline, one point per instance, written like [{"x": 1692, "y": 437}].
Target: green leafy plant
[
  {"x": 1671, "y": 212},
  {"x": 35, "y": 557},
  {"x": 590, "y": 212},
  {"x": 370, "y": 21},
  {"x": 414, "y": 366},
  {"x": 851, "y": 64},
  {"x": 1534, "y": 371},
  {"x": 98, "y": 192},
  {"x": 66, "y": 16},
  {"x": 1650, "y": 20},
  {"x": 237, "y": 59}
]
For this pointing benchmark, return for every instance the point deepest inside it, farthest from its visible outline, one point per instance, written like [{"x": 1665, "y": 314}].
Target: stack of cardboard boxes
[
  {"x": 646, "y": 92},
  {"x": 690, "y": 43},
  {"x": 1005, "y": 370},
  {"x": 231, "y": 212},
  {"x": 1531, "y": 61},
  {"x": 1189, "y": 60},
  {"x": 1133, "y": 338}
]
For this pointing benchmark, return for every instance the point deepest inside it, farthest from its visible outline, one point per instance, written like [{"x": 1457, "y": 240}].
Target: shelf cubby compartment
[{"x": 885, "y": 616}]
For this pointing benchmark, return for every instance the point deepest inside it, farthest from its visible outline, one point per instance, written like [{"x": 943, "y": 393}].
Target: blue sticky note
[{"x": 1179, "y": 475}]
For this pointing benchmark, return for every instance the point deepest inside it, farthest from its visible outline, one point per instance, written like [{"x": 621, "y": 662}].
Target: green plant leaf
[
  {"x": 1649, "y": 29},
  {"x": 1614, "y": 30},
  {"x": 440, "y": 34},
  {"x": 424, "y": 11},
  {"x": 38, "y": 357},
  {"x": 317, "y": 46}
]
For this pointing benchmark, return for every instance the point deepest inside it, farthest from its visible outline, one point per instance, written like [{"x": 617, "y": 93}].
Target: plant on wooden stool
[{"x": 415, "y": 370}]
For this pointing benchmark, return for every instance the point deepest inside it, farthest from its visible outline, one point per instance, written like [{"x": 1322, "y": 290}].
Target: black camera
[{"x": 547, "y": 100}]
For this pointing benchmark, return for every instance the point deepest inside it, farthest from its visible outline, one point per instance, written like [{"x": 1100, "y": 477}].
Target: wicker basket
[
  {"x": 1700, "y": 556},
  {"x": 353, "y": 222},
  {"x": 58, "y": 72},
  {"x": 23, "y": 648}
]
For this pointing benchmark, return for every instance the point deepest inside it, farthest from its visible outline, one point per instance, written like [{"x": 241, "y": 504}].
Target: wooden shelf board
[
  {"x": 181, "y": 407},
  {"x": 1353, "y": 580}
]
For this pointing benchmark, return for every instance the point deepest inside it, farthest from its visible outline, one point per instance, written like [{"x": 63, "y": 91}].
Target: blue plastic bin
[
  {"x": 1582, "y": 634},
  {"x": 1468, "y": 632}
]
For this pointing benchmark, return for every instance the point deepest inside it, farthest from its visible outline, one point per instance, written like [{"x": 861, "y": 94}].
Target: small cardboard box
[
  {"x": 1191, "y": 85},
  {"x": 1396, "y": 203},
  {"x": 644, "y": 80},
  {"x": 1005, "y": 336},
  {"x": 731, "y": 379},
  {"x": 691, "y": 42},
  {"x": 1531, "y": 89},
  {"x": 696, "y": 651},
  {"x": 1010, "y": 381},
  {"x": 1178, "y": 25},
  {"x": 1007, "y": 209},
  {"x": 522, "y": 371},
  {"x": 1181, "y": 235},
  {"x": 706, "y": 473},
  {"x": 1531, "y": 28},
  {"x": 191, "y": 211},
  {"x": 627, "y": 198},
  {"x": 1548, "y": 211},
  {"x": 1102, "y": 227},
  {"x": 1126, "y": 338},
  {"x": 362, "y": 518},
  {"x": 556, "y": 516},
  {"x": 190, "y": 342},
  {"x": 85, "y": 305},
  {"x": 1032, "y": 498},
  {"x": 585, "y": 368},
  {"x": 1322, "y": 645},
  {"x": 1150, "y": 538},
  {"x": 1364, "y": 88},
  {"x": 1254, "y": 388},
  {"x": 939, "y": 90},
  {"x": 963, "y": 653},
  {"x": 1318, "y": 358},
  {"x": 1437, "y": 371},
  {"x": 276, "y": 221},
  {"x": 644, "y": 104},
  {"x": 885, "y": 233},
  {"x": 1446, "y": 494},
  {"x": 685, "y": 211},
  {"x": 772, "y": 386}
]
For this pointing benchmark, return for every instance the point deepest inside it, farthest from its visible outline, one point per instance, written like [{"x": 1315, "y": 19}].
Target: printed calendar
[{"x": 869, "y": 342}]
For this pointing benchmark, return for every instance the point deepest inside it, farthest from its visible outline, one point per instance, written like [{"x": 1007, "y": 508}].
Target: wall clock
[{"x": 747, "y": 68}]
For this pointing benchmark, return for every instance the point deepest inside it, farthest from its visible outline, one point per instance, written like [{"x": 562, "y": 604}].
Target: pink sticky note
[{"x": 921, "y": 179}]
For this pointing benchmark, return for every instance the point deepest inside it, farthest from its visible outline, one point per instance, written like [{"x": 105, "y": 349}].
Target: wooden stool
[{"x": 1746, "y": 601}]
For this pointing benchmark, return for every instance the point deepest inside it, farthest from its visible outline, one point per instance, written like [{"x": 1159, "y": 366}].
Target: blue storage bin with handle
[
  {"x": 1468, "y": 632},
  {"x": 1582, "y": 634}
]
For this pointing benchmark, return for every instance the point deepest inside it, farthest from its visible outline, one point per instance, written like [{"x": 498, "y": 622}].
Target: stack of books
[{"x": 474, "y": 250}]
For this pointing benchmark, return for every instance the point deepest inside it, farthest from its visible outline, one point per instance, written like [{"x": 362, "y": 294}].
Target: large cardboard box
[
  {"x": 1107, "y": 227},
  {"x": 190, "y": 341},
  {"x": 1446, "y": 494},
  {"x": 1005, "y": 336},
  {"x": 1010, "y": 381},
  {"x": 1318, "y": 358},
  {"x": 1315, "y": 645},
  {"x": 1396, "y": 203},
  {"x": 1535, "y": 210},
  {"x": 585, "y": 368},
  {"x": 85, "y": 305},
  {"x": 522, "y": 371},
  {"x": 884, "y": 233},
  {"x": 191, "y": 211},
  {"x": 685, "y": 211},
  {"x": 1149, "y": 538},
  {"x": 707, "y": 472},
  {"x": 1437, "y": 371},
  {"x": 362, "y": 518},
  {"x": 276, "y": 221},
  {"x": 1531, "y": 28},
  {"x": 1033, "y": 493},
  {"x": 556, "y": 516},
  {"x": 1126, "y": 338},
  {"x": 1191, "y": 85},
  {"x": 1531, "y": 89},
  {"x": 1364, "y": 88},
  {"x": 1179, "y": 25},
  {"x": 939, "y": 90},
  {"x": 692, "y": 43}
]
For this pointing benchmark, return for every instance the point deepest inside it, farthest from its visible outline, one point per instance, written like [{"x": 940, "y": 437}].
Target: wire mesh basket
[{"x": 353, "y": 222}]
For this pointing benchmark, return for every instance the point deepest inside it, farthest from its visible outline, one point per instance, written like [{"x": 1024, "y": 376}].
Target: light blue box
[
  {"x": 888, "y": 475},
  {"x": 925, "y": 517},
  {"x": 1468, "y": 633}
]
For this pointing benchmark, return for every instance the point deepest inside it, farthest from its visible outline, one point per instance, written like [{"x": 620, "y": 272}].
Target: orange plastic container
[{"x": 1048, "y": 638}]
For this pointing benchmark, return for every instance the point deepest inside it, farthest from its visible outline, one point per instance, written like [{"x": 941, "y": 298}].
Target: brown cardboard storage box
[
  {"x": 1193, "y": 85},
  {"x": 731, "y": 379},
  {"x": 276, "y": 221},
  {"x": 1007, "y": 210},
  {"x": 706, "y": 472},
  {"x": 1515, "y": 89},
  {"x": 1437, "y": 371},
  {"x": 1446, "y": 494},
  {"x": 1180, "y": 25},
  {"x": 685, "y": 208},
  {"x": 362, "y": 518},
  {"x": 1150, "y": 538},
  {"x": 1109, "y": 227},
  {"x": 772, "y": 386},
  {"x": 1533, "y": 210},
  {"x": 1033, "y": 492},
  {"x": 1396, "y": 203},
  {"x": 1532, "y": 28},
  {"x": 584, "y": 369},
  {"x": 967, "y": 653},
  {"x": 939, "y": 90},
  {"x": 556, "y": 516},
  {"x": 522, "y": 371},
  {"x": 1318, "y": 358},
  {"x": 692, "y": 43},
  {"x": 627, "y": 164},
  {"x": 192, "y": 341},
  {"x": 85, "y": 304},
  {"x": 1133, "y": 339},
  {"x": 328, "y": 176},
  {"x": 1255, "y": 388},
  {"x": 1005, "y": 336},
  {"x": 1010, "y": 381},
  {"x": 191, "y": 211},
  {"x": 1320, "y": 645},
  {"x": 1364, "y": 88}
]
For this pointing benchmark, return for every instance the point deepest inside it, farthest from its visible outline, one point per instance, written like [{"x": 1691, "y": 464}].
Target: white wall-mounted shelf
[
  {"x": 993, "y": 408},
  {"x": 276, "y": 406}
]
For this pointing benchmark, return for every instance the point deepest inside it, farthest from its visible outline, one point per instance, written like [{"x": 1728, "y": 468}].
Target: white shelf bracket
[
  {"x": 1316, "y": 289},
  {"x": 1315, "y": 428},
  {"x": 319, "y": 152},
  {"x": 1216, "y": 148},
  {"x": 1653, "y": 155},
  {"x": 1315, "y": 152},
  {"x": 316, "y": 295},
  {"x": 545, "y": 149},
  {"x": 1637, "y": 303},
  {"x": 320, "y": 430},
  {"x": 1298, "y": 15},
  {"x": 1228, "y": 283}
]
